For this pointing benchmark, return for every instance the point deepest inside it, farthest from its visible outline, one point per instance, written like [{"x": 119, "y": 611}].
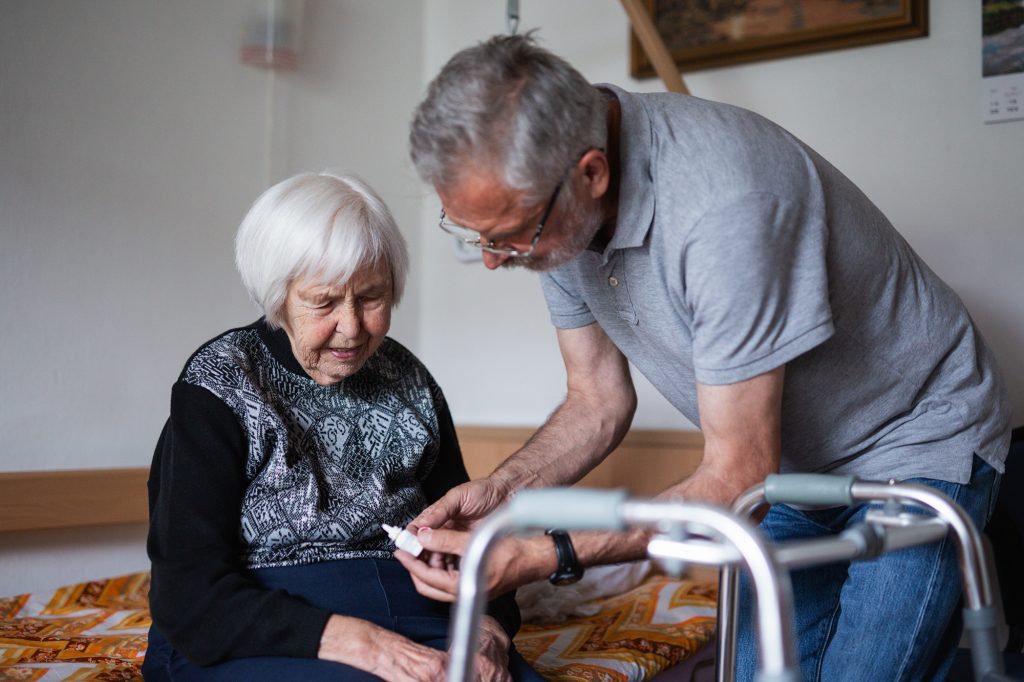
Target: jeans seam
[
  {"x": 956, "y": 495},
  {"x": 828, "y": 639},
  {"x": 380, "y": 584},
  {"x": 932, "y": 579}
]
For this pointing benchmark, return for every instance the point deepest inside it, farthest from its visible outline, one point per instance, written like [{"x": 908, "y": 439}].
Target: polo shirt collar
[{"x": 636, "y": 187}]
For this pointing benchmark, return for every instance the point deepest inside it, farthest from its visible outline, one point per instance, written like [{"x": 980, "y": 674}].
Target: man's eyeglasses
[{"x": 472, "y": 237}]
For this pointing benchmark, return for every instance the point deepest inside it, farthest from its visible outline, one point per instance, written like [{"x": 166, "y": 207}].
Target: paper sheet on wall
[{"x": 1002, "y": 41}]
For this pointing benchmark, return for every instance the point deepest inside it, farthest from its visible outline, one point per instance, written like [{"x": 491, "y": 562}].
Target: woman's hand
[
  {"x": 490, "y": 663},
  {"x": 512, "y": 563},
  {"x": 383, "y": 653}
]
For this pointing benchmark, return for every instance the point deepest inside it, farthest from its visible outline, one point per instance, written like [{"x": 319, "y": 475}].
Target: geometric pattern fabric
[
  {"x": 90, "y": 631},
  {"x": 96, "y": 631},
  {"x": 369, "y": 441},
  {"x": 634, "y": 636}
]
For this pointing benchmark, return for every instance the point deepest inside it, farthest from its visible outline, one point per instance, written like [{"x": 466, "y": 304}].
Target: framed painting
[{"x": 702, "y": 34}]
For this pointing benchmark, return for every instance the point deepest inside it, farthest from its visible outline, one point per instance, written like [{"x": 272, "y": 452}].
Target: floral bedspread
[
  {"x": 97, "y": 631},
  {"x": 89, "y": 631}
]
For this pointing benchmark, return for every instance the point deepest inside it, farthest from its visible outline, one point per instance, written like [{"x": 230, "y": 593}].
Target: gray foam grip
[
  {"x": 568, "y": 508},
  {"x": 809, "y": 489}
]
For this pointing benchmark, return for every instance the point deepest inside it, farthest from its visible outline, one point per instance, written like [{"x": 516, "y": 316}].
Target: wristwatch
[{"x": 569, "y": 569}]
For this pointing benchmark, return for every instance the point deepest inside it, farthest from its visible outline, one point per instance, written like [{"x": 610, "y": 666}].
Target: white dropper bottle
[{"x": 403, "y": 539}]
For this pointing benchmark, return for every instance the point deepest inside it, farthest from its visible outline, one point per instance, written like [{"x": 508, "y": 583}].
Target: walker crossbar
[
  {"x": 883, "y": 531},
  {"x": 735, "y": 540}
]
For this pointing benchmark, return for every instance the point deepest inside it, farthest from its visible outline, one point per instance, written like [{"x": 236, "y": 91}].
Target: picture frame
[{"x": 704, "y": 34}]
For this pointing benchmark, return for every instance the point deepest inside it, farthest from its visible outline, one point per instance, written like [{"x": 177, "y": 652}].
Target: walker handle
[
  {"x": 567, "y": 509},
  {"x": 809, "y": 489}
]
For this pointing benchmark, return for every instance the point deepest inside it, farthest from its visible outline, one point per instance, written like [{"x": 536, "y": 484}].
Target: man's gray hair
[
  {"x": 509, "y": 105},
  {"x": 316, "y": 225}
]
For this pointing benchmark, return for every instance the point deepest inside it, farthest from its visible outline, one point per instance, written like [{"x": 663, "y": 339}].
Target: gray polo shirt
[{"x": 738, "y": 249}]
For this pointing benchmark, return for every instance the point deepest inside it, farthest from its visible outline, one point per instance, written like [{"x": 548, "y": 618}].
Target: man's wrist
[{"x": 504, "y": 481}]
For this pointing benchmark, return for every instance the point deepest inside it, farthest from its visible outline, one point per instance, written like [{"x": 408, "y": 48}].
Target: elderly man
[{"x": 762, "y": 294}]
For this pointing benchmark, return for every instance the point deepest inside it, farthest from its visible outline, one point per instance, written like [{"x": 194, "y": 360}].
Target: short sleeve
[
  {"x": 566, "y": 307},
  {"x": 756, "y": 279}
]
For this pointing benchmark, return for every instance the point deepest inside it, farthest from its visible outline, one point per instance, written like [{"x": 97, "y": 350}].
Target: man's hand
[
  {"x": 462, "y": 506},
  {"x": 512, "y": 563}
]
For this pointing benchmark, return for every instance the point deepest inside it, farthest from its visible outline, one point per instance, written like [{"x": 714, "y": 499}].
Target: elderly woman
[{"x": 290, "y": 441}]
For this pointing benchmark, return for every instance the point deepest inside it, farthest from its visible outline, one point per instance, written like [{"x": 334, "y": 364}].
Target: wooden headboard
[{"x": 645, "y": 463}]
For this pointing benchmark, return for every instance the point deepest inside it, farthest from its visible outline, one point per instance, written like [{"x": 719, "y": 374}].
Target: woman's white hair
[{"x": 316, "y": 225}]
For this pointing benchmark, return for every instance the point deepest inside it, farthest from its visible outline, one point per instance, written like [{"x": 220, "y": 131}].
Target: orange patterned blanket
[
  {"x": 634, "y": 636},
  {"x": 97, "y": 631},
  {"x": 90, "y": 631}
]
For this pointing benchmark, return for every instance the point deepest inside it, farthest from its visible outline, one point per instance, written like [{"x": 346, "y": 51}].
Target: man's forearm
[
  {"x": 575, "y": 439},
  {"x": 711, "y": 483}
]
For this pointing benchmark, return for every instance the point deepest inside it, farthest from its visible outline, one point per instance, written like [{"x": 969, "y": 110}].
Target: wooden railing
[{"x": 645, "y": 463}]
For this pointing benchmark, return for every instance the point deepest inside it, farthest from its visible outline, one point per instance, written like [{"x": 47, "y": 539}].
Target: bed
[{"x": 96, "y": 630}]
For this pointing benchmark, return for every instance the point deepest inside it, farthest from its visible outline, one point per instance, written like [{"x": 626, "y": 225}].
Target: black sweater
[{"x": 259, "y": 466}]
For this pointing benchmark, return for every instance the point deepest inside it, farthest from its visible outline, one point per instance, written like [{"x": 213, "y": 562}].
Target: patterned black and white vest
[{"x": 326, "y": 464}]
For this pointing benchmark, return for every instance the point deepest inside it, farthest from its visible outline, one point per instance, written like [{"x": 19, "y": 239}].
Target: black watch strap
[{"x": 569, "y": 569}]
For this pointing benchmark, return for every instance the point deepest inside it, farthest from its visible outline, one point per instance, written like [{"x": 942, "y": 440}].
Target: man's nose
[{"x": 494, "y": 260}]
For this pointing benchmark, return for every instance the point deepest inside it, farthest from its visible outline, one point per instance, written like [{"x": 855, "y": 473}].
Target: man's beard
[{"x": 575, "y": 231}]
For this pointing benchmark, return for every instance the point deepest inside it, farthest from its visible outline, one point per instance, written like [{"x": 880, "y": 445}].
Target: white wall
[
  {"x": 348, "y": 108},
  {"x": 132, "y": 145},
  {"x": 132, "y": 140},
  {"x": 901, "y": 119}
]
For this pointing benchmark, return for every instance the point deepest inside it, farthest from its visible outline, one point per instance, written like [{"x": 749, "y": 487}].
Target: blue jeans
[
  {"x": 379, "y": 591},
  {"x": 887, "y": 619}
]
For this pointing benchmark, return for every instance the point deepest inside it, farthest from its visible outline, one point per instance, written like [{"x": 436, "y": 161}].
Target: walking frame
[
  {"x": 708, "y": 535},
  {"x": 736, "y": 540},
  {"x": 885, "y": 529}
]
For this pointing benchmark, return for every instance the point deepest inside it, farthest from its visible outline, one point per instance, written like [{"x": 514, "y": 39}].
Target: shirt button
[{"x": 614, "y": 281}]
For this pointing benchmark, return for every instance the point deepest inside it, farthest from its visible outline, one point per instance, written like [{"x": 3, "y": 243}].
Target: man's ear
[{"x": 595, "y": 172}]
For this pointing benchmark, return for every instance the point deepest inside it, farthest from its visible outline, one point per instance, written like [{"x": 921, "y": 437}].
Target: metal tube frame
[
  {"x": 741, "y": 542},
  {"x": 469, "y": 607},
  {"x": 891, "y": 532}
]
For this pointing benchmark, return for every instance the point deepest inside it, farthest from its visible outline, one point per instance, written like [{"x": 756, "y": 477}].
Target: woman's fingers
[
  {"x": 513, "y": 563},
  {"x": 491, "y": 661},
  {"x": 434, "y": 583},
  {"x": 406, "y": 661},
  {"x": 384, "y": 653}
]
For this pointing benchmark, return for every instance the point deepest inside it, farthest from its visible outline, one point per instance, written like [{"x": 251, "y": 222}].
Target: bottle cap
[{"x": 403, "y": 539}]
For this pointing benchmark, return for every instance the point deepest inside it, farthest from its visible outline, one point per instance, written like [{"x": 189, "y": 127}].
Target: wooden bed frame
[{"x": 645, "y": 463}]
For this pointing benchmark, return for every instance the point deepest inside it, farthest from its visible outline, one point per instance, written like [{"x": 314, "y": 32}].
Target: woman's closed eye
[{"x": 372, "y": 301}]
